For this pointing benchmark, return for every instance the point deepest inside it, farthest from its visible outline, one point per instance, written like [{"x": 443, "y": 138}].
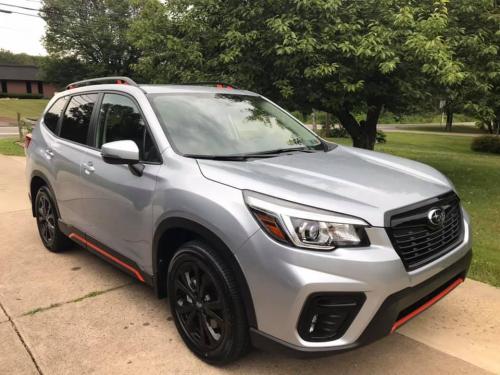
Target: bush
[
  {"x": 21, "y": 96},
  {"x": 338, "y": 132},
  {"x": 381, "y": 137},
  {"x": 487, "y": 143}
]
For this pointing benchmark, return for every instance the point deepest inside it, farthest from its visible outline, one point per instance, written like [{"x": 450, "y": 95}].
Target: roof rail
[
  {"x": 218, "y": 84},
  {"x": 101, "y": 81}
]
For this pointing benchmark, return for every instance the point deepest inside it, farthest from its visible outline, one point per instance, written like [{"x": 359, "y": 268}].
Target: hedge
[{"x": 487, "y": 143}]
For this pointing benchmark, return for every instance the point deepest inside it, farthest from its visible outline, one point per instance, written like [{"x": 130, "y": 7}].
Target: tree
[
  {"x": 63, "y": 70},
  {"x": 477, "y": 23},
  {"x": 342, "y": 57},
  {"x": 472, "y": 35},
  {"x": 7, "y": 57},
  {"x": 89, "y": 34}
]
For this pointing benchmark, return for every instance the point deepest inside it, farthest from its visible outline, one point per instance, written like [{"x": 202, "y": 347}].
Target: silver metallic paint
[{"x": 123, "y": 211}]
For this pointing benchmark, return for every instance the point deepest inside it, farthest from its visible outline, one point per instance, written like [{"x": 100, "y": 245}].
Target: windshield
[{"x": 225, "y": 124}]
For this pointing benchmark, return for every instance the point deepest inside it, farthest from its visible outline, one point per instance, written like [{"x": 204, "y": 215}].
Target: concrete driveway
[{"x": 72, "y": 313}]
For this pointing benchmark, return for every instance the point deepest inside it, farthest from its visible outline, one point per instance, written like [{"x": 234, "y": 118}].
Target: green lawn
[
  {"x": 8, "y": 146},
  {"x": 390, "y": 118},
  {"x": 477, "y": 179},
  {"x": 436, "y": 128},
  {"x": 26, "y": 107}
]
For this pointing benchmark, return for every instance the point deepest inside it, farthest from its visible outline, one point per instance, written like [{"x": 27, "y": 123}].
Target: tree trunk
[
  {"x": 491, "y": 126},
  {"x": 449, "y": 119},
  {"x": 364, "y": 133},
  {"x": 497, "y": 123},
  {"x": 315, "y": 126},
  {"x": 327, "y": 125}
]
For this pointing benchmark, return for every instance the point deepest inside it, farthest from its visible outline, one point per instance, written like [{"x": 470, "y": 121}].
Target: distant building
[{"x": 23, "y": 80}]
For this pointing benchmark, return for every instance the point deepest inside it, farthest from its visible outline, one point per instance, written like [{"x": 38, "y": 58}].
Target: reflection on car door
[
  {"x": 118, "y": 204},
  {"x": 67, "y": 153}
]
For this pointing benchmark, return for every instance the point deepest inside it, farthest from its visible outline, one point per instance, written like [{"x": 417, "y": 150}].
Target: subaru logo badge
[{"x": 436, "y": 216}]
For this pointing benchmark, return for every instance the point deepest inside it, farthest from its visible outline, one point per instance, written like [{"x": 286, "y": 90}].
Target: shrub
[
  {"x": 21, "y": 96},
  {"x": 381, "y": 137},
  {"x": 487, "y": 143},
  {"x": 338, "y": 132}
]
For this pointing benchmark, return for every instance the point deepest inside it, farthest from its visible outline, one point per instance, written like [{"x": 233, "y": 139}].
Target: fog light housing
[{"x": 327, "y": 316}]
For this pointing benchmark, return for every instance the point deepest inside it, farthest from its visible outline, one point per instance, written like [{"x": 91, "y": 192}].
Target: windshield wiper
[
  {"x": 284, "y": 151},
  {"x": 241, "y": 157},
  {"x": 256, "y": 155}
]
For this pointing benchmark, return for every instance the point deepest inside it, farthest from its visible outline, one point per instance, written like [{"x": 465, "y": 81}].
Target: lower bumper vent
[{"x": 326, "y": 316}]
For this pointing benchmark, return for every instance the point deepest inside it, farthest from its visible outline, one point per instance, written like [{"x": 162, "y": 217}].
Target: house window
[
  {"x": 28, "y": 87},
  {"x": 40, "y": 88},
  {"x": 4, "y": 86}
]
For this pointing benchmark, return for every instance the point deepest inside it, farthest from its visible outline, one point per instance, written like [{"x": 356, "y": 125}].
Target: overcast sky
[{"x": 19, "y": 33}]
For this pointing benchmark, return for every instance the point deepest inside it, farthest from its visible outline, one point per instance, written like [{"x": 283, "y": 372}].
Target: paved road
[
  {"x": 8, "y": 131},
  {"x": 419, "y": 129},
  {"x": 72, "y": 313}
]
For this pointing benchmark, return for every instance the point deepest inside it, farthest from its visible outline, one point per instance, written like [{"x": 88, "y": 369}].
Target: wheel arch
[
  {"x": 173, "y": 232},
  {"x": 38, "y": 180}
]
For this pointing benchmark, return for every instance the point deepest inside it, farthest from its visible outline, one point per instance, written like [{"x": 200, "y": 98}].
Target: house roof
[{"x": 19, "y": 72}]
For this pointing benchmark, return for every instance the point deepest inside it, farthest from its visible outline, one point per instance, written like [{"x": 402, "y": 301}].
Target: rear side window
[
  {"x": 119, "y": 120},
  {"x": 76, "y": 120},
  {"x": 52, "y": 116}
]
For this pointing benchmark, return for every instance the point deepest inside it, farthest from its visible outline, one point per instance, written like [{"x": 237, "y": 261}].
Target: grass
[
  {"x": 76, "y": 300},
  {"x": 8, "y": 146},
  {"x": 26, "y": 107},
  {"x": 477, "y": 179},
  {"x": 421, "y": 118},
  {"x": 436, "y": 128}
]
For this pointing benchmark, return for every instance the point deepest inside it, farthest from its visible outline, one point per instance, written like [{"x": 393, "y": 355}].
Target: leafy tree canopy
[
  {"x": 7, "y": 57},
  {"x": 90, "y": 33},
  {"x": 338, "y": 56}
]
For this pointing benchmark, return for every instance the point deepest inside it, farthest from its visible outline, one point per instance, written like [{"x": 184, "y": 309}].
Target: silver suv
[{"x": 258, "y": 231}]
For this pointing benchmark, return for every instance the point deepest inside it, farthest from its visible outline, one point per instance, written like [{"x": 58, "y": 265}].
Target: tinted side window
[
  {"x": 52, "y": 116},
  {"x": 119, "y": 120},
  {"x": 76, "y": 119}
]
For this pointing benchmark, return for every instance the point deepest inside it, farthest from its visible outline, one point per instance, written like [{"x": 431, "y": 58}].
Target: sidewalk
[{"x": 72, "y": 313}]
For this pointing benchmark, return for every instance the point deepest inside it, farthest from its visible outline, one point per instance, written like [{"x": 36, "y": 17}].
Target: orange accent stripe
[
  {"x": 426, "y": 305},
  {"x": 107, "y": 255}
]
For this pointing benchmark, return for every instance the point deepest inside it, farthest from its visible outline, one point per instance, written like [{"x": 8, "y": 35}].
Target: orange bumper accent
[{"x": 426, "y": 305}]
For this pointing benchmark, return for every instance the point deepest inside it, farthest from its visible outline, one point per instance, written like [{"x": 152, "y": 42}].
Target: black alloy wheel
[
  {"x": 47, "y": 222},
  {"x": 46, "y": 219},
  {"x": 200, "y": 305},
  {"x": 206, "y": 304}
]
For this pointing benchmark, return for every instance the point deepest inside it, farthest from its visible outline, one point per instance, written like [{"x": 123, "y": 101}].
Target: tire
[
  {"x": 206, "y": 304},
  {"x": 47, "y": 222}
]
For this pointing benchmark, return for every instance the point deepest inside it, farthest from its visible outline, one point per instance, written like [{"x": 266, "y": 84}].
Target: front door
[
  {"x": 66, "y": 154},
  {"x": 118, "y": 204}
]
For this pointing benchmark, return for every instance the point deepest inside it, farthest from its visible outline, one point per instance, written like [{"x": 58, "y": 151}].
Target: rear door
[
  {"x": 117, "y": 203},
  {"x": 67, "y": 152}
]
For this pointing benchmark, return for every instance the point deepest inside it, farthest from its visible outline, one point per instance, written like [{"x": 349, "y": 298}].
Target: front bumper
[
  {"x": 281, "y": 278},
  {"x": 383, "y": 321}
]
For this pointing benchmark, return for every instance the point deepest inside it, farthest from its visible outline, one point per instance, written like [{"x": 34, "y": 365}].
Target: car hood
[{"x": 355, "y": 182}]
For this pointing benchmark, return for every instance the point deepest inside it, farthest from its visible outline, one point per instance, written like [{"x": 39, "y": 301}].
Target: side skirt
[{"x": 104, "y": 252}]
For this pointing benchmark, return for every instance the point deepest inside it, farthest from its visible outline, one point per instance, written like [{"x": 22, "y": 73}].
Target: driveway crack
[
  {"x": 38, "y": 369},
  {"x": 79, "y": 299}
]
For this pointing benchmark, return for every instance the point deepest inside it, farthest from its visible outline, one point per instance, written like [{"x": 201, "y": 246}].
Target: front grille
[
  {"x": 326, "y": 316},
  {"x": 419, "y": 242}
]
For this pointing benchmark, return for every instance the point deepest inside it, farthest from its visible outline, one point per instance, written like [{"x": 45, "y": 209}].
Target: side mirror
[{"x": 120, "y": 152}]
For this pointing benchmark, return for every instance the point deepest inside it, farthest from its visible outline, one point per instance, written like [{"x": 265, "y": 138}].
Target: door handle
[
  {"x": 88, "y": 168},
  {"x": 49, "y": 154}
]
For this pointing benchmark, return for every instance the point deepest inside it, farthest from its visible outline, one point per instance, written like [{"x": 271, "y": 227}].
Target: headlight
[{"x": 303, "y": 226}]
